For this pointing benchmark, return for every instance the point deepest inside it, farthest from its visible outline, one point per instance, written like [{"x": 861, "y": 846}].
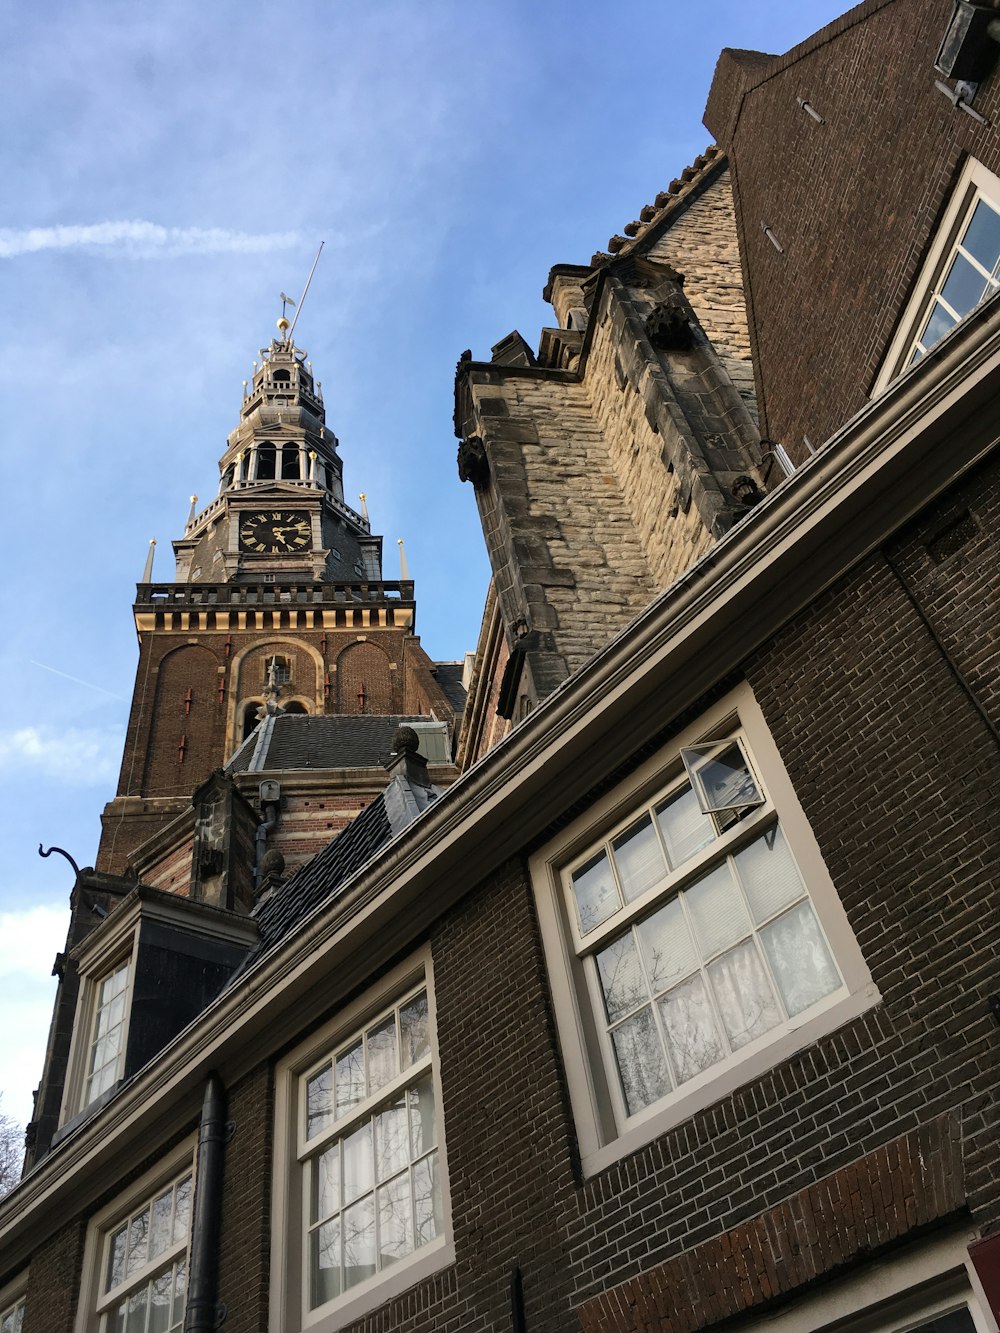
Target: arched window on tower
[
  {"x": 250, "y": 712},
  {"x": 266, "y": 461},
  {"x": 281, "y": 377},
  {"x": 227, "y": 478},
  {"x": 290, "y": 469}
]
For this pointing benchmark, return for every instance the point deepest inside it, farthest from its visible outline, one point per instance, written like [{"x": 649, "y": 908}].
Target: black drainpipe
[{"x": 204, "y": 1310}]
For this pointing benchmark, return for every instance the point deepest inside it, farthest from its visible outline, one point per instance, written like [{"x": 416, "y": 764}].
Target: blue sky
[{"x": 169, "y": 169}]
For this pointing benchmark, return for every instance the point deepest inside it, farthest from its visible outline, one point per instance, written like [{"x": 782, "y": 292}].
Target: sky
[{"x": 168, "y": 170}]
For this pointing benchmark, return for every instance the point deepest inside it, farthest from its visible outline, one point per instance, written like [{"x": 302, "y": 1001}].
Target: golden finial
[{"x": 283, "y": 326}]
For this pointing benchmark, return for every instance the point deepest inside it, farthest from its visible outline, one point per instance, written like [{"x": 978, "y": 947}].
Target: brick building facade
[{"x": 677, "y": 1010}]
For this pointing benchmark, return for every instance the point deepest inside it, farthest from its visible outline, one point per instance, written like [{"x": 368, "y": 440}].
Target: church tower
[{"x": 278, "y": 599}]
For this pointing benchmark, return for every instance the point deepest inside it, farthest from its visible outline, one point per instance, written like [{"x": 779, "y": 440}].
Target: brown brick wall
[
  {"x": 54, "y": 1281},
  {"x": 912, "y": 1182},
  {"x": 365, "y": 668},
  {"x": 244, "y": 1243},
  {"x": 854, "y": 204},
  {"x": 184, "y": 731}
]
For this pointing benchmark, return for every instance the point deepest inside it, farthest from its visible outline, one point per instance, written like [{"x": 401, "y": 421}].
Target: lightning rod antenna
[{"x": 305, "y": 289}]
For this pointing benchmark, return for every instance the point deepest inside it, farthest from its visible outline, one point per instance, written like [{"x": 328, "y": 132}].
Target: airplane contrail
[
  {"x": 77, "y": 681},
  {"x": 140, "y": 238}
]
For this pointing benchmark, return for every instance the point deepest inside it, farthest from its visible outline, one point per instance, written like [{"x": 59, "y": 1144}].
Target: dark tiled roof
[
  {"x": 319, "y": 880},
  {"x": 324, "y": 741},
  {"x": 449, "y": 676}
]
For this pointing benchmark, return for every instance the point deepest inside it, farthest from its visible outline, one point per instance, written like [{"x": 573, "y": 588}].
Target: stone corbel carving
[
  {"x": 669, "y": 328},
  {"x": 746, "y": 493},
  {"x": 473, "y": 465}
]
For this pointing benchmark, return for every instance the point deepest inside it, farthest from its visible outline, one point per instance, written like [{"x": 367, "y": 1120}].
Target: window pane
[
  {"x": 358, "y": 1162},
  {"x": 639, "y": 859},
  {"x": 622, "y": 978},
  {"x": 414, "y": 1028},
  {"x": 744, "y": 994},
  {"x": 717, "y": 911},
  {"x": 116, "y": 1319},
  {"x": 138, "y": 1237},
  {"x": 725, "y": 780},
  {"x": 159, "y": 1302},
  {"x": 116, "y": 1259},
  {"x": 693, "y": 1037},
  {"x": 325, "y": 1191},
  {"x": 182, "y": 1208},
  {"x": 768, "y": 875},
  {"x": 159, "y": 1236},
  {"x": 135, "y": 1311},
  {"x": 937, "y": 325},
  {"x": 685, "y": 829},
  {"x": 394, "y": 1221},
  {"x": 667, "y": 948},
  {"x": 964, "y": 286},
  {"x": 382, "y": 1054},
  {"x": 955, "y": 1321},
  {"x": 350, "y": 1078},
  {"x": 640, "y": 1059},
  {"x": 423, "y": 1131},
  {"x": 180, "y": 1291},
  {"x": 596, "y": 893},
  {"x": 324, "y": 1263},
  {"x": 428, "y": 1215},
  {"x": 982, "y": 236},
  {"x": 319, "y": 1101},
  {"x": 359, "y": 1242},
  {"x": 392, "y": 1139},
  {"x": 799, "y": 958}
]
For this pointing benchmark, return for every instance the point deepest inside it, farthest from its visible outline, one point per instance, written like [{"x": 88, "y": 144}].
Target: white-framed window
[
  {"x": 100, "y": 1033},
  {"x": 136, "y": 1263},
  {"x": 961, "y": 270},
  {"x": 12, "y": 1304},
  {"x": 692, "y": 934},
  {"x": 361, "y": 1201}
]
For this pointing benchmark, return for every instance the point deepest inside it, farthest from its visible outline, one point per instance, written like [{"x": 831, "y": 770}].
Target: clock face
[{"x": 275, "y": 532}]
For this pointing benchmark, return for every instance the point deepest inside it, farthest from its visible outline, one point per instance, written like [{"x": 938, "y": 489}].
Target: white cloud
[
  {"x": 143, "y": 240},
  {"x": 29, "y": 941},
  {"x": 81, "y": 756}
]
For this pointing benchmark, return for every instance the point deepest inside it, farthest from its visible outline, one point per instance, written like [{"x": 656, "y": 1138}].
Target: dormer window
[{"x": 151, "y": 940}]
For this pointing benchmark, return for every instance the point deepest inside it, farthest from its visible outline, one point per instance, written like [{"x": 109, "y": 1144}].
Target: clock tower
[{"x": 278, "y": 601}]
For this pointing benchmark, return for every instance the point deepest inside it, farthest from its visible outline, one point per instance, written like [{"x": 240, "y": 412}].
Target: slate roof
[
  {"x": 320, "y": 879},
  {"x": 449, "y": 676},
  {"x": 323, "y": 741}
]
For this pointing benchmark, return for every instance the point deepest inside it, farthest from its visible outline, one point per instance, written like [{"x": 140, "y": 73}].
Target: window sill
[{"x": 379, "y": 1290}]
